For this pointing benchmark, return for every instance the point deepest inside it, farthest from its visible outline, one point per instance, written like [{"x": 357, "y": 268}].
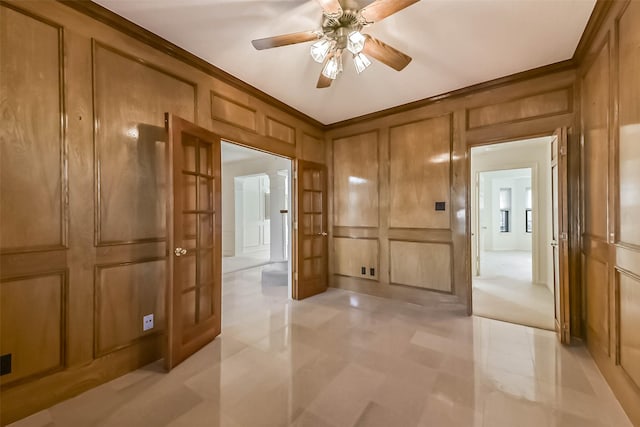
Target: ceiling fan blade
[
  {"x": 284, "y": 40},
  {"x": 324, "y": 81},
  {"x": 385, "y": 53},
  {"x": 330, "y": 7},
  {"x": 380, "y": 9}
]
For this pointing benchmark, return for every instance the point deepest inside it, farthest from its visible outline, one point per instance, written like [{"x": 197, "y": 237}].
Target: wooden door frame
[{"x": 573, "y": 270}]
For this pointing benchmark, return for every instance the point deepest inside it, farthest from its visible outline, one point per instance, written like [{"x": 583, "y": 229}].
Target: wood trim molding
[
  {"x": 114, "y": 20},
  {"x": 568, "y": 64},
  {"x": 596, "y": 20},
  {"x": 127, "y": 27}
]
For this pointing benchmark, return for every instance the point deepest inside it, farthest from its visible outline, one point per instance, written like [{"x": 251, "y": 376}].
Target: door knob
[
  {"x": 324, "y": 234},
  {"x": 554, "y": 243},
  {"x": 180, "y": 251}
]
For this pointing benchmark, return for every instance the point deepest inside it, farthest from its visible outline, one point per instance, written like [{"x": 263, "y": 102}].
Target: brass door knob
[{"x": 179, "y": 251}]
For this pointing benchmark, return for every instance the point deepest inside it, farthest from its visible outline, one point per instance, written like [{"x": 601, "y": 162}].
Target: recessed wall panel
[
  {"x": 124, "y": 293},
  {"x": 34, "y": 306},
  {"x": 629, "y": 321},
  {"x": 544, "y": 104},
  {"x": 423, "y": 265},
  {"x": 597, "y": 299},
  {"x": 419, "y": 175},
  {"x": 130, "y": 100},
  {"x": 231, "y": 111},
  {"x": 595, "y": 86},
  {"x": 351, "y": 255},
  {"x": 313, "y": 148},
  {"x": 629, "y": 114},
  {"x": 278, "y": 130},
  {"x": 32, "y": 178},
  {"x": 355, "y": 180}
]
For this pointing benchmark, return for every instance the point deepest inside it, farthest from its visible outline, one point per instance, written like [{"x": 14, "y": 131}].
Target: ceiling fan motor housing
[{"x": 338, "y": 28}]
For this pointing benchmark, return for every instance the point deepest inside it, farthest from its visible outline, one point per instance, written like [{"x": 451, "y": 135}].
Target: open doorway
[
  {"x": 511, "y": 222},
  {"x": 256, "y": 223}
]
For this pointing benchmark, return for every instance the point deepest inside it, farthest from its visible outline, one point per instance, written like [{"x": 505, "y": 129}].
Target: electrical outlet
[
  {"x": 147, "y": 322},
  {"x": 363, "y": 270}
]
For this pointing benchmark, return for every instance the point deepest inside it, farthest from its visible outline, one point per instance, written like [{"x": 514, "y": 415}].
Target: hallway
[
  {"x": 504, "y": 291},
  {"x": 348, "y": 359}
]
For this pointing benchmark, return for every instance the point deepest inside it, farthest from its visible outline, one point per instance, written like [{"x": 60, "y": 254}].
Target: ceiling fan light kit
[{"x": 341, "y": 30}]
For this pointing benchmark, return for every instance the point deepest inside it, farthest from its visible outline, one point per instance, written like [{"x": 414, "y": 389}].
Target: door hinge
[
  {"x": 563, "y": 151},
  {"x": 295, "y": 225},
  {"x": 295, "y": 276},
  {"x": 563, "y": 236}
]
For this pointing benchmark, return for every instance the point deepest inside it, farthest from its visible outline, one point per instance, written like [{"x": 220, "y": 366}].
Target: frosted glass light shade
[
  {"x": 331, "y": 69},
  {"x": 355, "y": 42},
  {"x": 320, "y": 49},
  {"x": 361, "y": 62}
]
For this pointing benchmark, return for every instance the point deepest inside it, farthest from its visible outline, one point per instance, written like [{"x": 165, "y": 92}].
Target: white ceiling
[
  {"x": 236, "y": 153},
  {"x": 454, "y": 44}
]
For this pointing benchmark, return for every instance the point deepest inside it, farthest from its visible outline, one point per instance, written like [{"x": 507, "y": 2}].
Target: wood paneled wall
[
  {"x": 82, "y": 187},
  {"x": 610, "y": 128},
  {"x": 389, "y": 171}
]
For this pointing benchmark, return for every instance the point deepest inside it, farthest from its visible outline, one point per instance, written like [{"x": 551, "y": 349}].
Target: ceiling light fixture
[
  {"x": 361, "y": 62},
  {"x": 355, "y": 42},
  {"x": 320, "y": 49},
  {"x": 341, "y": 29}
]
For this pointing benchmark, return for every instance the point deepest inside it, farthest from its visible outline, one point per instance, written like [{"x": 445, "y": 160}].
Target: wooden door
[
  {"x": 312, "y": 236},
  {"x": 194, "y": 281},
  {"x": 559, "y": 234}
]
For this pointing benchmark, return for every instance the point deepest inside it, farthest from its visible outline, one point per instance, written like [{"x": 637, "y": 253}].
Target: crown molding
[
  {"x": 568, "y": 64},
  {"x": 95, "y": 11},
  {"x": 596, "y": 20}
]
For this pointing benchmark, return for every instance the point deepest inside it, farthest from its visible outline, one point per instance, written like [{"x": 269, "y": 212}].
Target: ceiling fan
[{"x": 341, "y": 30}]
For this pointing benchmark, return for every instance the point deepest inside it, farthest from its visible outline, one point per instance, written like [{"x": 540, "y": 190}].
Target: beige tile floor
[{"x": 346, "y": 359}]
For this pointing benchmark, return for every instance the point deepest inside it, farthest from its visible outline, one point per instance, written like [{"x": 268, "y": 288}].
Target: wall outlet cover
[{"x": 147, "y": 322}]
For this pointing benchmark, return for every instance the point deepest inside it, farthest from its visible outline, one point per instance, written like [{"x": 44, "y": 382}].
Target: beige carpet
[{"x": 505, "y": 292}]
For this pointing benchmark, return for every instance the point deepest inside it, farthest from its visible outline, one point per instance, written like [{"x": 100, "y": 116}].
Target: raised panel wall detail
[
  {"x": 595, "y": 86},
  {"x": 423, "y": 265},
  {"x": 541, "y": 105},
  {"x": 353, "y": 254},
  {"x": 280, "y": 131},
  {"x": 35, "y": 305},
  {"x": 130, "y": 99},
  {"x": 312, "y": 149},
  {"x": 629, "y": 114},
  {"x": 355, "y": 180},
  {"x": 32, "y": 150},
  {"x": 597, "y": 289},
  {"x": 629, "y": 321},
  {"x": 124, "y": 293},
  {"x": 230, "y": 111},
  {"x": 419, "y": 175}
]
